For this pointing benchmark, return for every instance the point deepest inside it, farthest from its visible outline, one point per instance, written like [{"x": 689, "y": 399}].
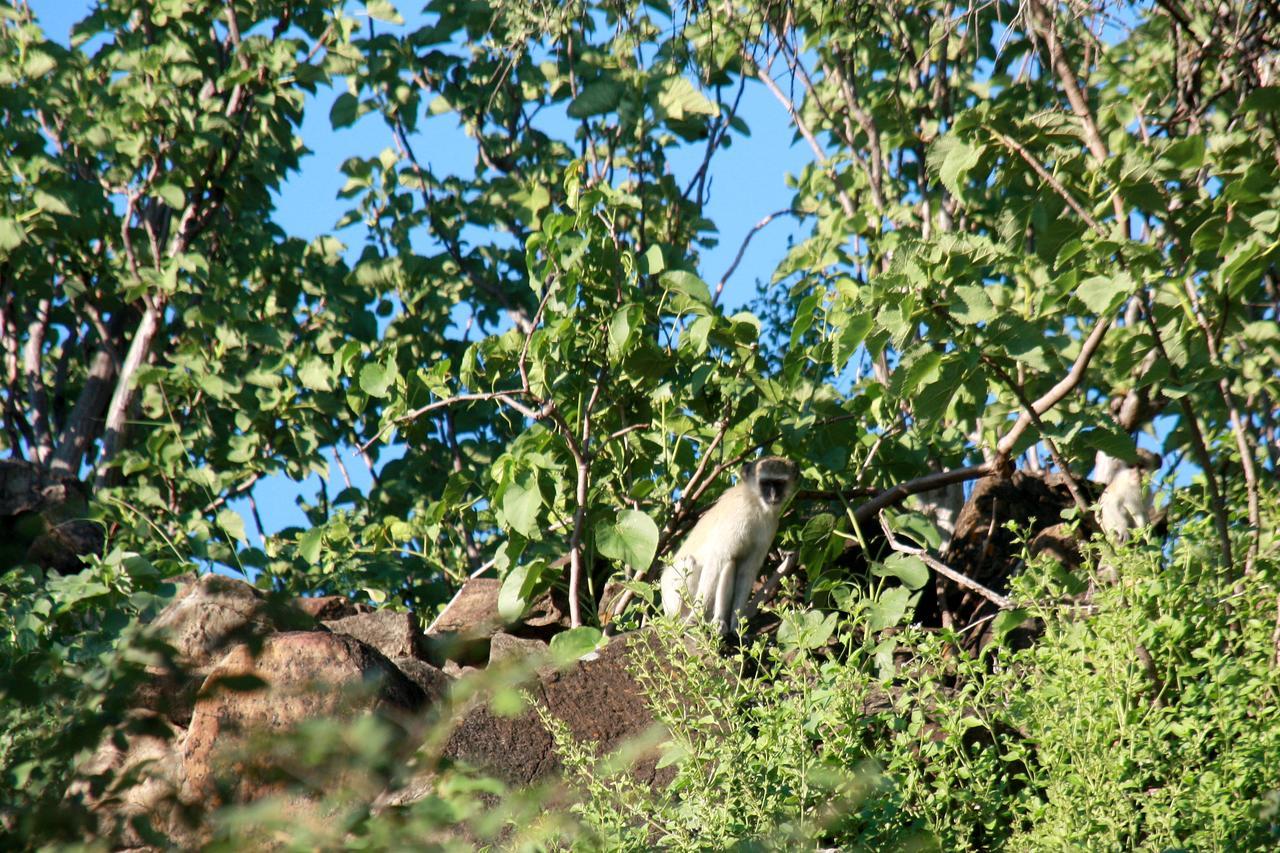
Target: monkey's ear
[{"x": 749, "y": 471}]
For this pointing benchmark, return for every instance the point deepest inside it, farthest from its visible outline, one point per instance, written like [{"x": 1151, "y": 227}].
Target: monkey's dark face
[{"x": 773, "y": 478}]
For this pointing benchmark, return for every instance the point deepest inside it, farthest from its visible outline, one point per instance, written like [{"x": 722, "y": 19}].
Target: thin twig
[{"x": 942, "y": 568}]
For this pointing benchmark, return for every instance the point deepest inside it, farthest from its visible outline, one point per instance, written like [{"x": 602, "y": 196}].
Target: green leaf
[
  {"x": 518, "y": 588},
  {"x": 50, "y": 203},
  {"x": 1264, "y": 99},
  {"x": 69, "y": 590},
  {"x": 232, "y": 524},
  {"x": 632, "y": 538},
  {"x": 680, "y": 281},
  {"x": 957, "y": 158},
  {"x": 911, "y": 570},
  {"x": 679, "y": 98},
  {"x": 1006, "y": 621},
  {"x": 171, "y": 194},
  {"x": 344, "y": 111},
  {"x": 810, "y": 629},
  {"x": 520, "y": 504},
  {"x": 383, "y": 11},
  {"x": 375, "y": 380},
  {"x": 1110, "y": 440},
  {"x": 621, "y": 328},
  {"x": 652, "y": 262},
  {"x": 576, "y": 643},
  {"x": 889, "y": 608},
  {"x": 11, "y": 235},
  {"x": 597, "y": 98},
  {"x": 970, "y": 304},
  {"x": 315, "y": 374},
  {"x": 1103, "y": 294},
  {"x": 309, "y": 544}
]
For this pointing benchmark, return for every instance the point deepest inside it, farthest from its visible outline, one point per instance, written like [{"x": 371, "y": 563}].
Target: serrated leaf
[
  {"x": 232, "y": 524},
  {"x": 970, "y": 304},
  {"x": 632, "y": 538},
  {"x": 1103, "y": 294},
  {"x": 959, "y": 158}
]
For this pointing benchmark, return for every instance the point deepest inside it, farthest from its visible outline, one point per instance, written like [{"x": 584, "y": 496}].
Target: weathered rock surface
[
  {"x": 504, "y": 647},
  {"x": 597, "y": 699},
  {"x": 309, "y": 674},
  {"x": 326, "y": 607},
  {"x": 146, "y": 779},
  {"x": 434, "y": 683},
  {"x": 216, "y": 612},
  {"x": 394, "y": 634}
]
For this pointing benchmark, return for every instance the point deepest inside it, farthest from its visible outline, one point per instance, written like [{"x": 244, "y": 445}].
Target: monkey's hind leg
[
  {"x": 678, "y": 581},
  {"x": 743, "y": 584},
  {"x": 718, "y": 610}
]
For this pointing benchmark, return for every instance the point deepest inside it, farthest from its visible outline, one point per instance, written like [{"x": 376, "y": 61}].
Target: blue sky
[{"x": 742, "y": 193}]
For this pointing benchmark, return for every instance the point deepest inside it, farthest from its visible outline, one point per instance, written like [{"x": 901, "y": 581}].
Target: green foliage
[{"x": 1003, "y": 207}]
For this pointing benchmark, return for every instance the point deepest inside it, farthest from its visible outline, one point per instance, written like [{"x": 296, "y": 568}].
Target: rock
[
  {"x": 143, "y": 780},
  {"x": 507, "y": 647},
  {"x": 433, "y": 682},
  {"x": 462, "y": 630},
  {"x": 216, "y": 612},
  {"x": 396, "y": 635},
  {"x": 597, "y": 699},
  {"x": 473, "y": 610},
  {"x": 309, "y": 675},
  {"x": 325, "y": 607}
]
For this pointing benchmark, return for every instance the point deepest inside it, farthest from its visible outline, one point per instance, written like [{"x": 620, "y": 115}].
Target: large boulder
[
  {"x": 308, "y": 675},
  {"x": 216, "y": 612}
]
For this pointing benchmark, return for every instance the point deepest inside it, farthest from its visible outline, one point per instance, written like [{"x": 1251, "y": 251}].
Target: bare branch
[
  {"x": 746, "y": 241},
  {"x": 1055, "y": 394},
  {"x": 942, "y": 568}
]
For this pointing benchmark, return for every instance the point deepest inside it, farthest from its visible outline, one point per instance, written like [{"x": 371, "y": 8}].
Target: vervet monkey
[
  {"x": 1126, "y": 503},
  {"x": 714, "y": 570}
]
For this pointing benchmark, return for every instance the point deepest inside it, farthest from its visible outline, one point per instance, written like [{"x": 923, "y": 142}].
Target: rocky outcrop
[{"x": 304, "y": 675}]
